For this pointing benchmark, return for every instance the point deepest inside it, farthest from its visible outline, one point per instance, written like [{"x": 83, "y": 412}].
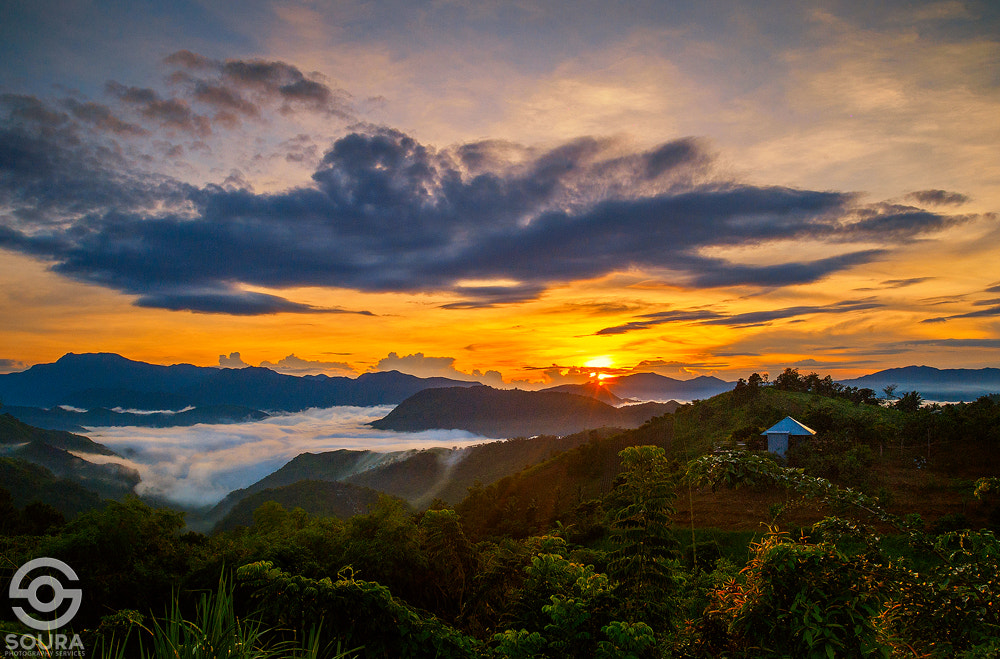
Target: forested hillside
[{"x": 850, "y": 548}]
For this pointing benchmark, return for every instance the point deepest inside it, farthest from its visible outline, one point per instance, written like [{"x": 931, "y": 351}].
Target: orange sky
[{"x": 673, "y": 189}]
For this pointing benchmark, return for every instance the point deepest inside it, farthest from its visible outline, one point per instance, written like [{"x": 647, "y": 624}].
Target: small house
[{"x": 785, "y": 432}]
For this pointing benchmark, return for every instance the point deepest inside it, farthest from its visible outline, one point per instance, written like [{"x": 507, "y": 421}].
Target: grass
[{"x": 214, "y": 632}]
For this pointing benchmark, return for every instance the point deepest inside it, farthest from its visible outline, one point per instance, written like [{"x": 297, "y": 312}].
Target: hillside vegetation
[{"x": 591, "y": 552}]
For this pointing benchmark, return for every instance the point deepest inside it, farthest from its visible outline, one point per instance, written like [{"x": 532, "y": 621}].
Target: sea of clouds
[{"x": 199, "y": 465}]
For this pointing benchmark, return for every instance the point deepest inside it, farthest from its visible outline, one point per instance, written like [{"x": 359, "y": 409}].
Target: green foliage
[
  {"x": 798, "y": 599},
  {"x": 127, "y": 555},
  {"x": 909, "y": 402},
  {"x": 951, "y": 606},
  {"x": 576, "y": 606},
  {"x": 643, "y": 562},
  {"x": 216, "y": 631},
  {"x": 946, "y": 607},
  {"x": 361, "y": 613}
]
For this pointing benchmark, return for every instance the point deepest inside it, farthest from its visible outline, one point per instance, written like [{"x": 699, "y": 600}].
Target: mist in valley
[{"x": 197, "y": 466}]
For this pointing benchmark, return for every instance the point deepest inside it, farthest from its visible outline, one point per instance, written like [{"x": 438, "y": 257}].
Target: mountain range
[
  {"x": 944, "y": 385},
  {"x": 108, "y": 381}
]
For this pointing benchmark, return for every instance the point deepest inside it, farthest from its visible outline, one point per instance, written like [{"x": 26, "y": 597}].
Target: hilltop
[{"x": 512, "y": 413}]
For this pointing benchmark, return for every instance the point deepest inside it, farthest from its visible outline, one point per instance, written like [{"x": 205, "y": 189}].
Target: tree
[
  {"x": 909, "y": 402},
  {"x": 644, "y": 559}
]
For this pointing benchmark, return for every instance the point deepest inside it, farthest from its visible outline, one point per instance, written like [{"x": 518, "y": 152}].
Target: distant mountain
[
  {"x": 109, "y": 380},
  {"x": 320, "y": 498},
  {"x": 651, "y": 386},
  {"x": 945, "y": 385},
  {"x": 596, "y": 390},
  {"x": 75, "y": 420},
  {"x": 512, "y": 413}
]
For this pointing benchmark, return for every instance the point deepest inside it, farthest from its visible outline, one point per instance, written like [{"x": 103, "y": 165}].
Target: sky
[{"x": 523, "y": 193}]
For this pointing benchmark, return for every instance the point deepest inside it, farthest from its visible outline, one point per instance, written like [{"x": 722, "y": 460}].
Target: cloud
[
  {"x": 749, "y": 319},
  {"x": 384, "y": 212},
  {"x": 955, "y": 343},
  {"x": 102, "y": 118},
  {"x": 167, "y": 112},
  {"x": 199, "y": 465},
  {"x": 231, "y": 302},
  {"x": 293, "y": 365},
  {"x": 232, "y": 361},
  {"x": 938, "y": 197},
  {"x": 989, "y": 312},
  {"x": 429, "y": 367},
  {"x": 12, "y": 366},
  {"x": 222, "y": 84}
]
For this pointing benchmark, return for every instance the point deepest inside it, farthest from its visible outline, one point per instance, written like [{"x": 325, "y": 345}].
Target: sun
[{"x": 604, "y": 361}]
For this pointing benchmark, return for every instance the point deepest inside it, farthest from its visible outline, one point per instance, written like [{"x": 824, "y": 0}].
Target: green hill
[
  {"x": 28, "y": 483},
  {"x": 418, "y": 477},
  {"x": 318, "y": 498},
  {"x": 923, "y": 461},
  {"x": 13, "y": 431}
]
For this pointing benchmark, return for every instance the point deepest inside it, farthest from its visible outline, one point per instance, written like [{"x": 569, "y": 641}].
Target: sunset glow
[{"x": 525, "y": 196}]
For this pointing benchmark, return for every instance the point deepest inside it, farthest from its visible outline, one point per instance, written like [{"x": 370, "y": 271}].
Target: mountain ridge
[
  {"x": 504, "y": 413},
  {"x": 104, "y": 378}
]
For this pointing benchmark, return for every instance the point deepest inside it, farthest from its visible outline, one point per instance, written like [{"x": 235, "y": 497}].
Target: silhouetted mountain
[
  {"x": 946, "y": 385},
  {"x": 595, "y": 390},
  {"x": 512, "y": 413},
  {"x": 651, "y": 386},
  {"x": 320, "y": 498},
  {"x": 74, "y": 420},
  {"x": 110, "y": 381}
]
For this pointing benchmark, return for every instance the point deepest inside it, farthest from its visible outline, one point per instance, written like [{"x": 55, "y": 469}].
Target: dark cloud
[
  {"x": 902, "y": 283},
  {"x": 955, "y": 343},
  {"x": 232, "y": 361},
  {"x": 661, "y": 318},
  {"x": 386, "y": 213},
  {"x": 231, "y": 302},
  {"x": 167, "y": 112},
  {"x": 896, "y": 283},
  {"x": 749, "y": 319},
  {"x": 101, "y": 117},
  {"x": 293, "y": 365},
  {"x": 989, "y": 312},
  {"x": 221, "y": 84},
  {"x": 938, "y": 197},
  {"x": 897, "y": 223},
  {"x": 236, "y": 303},
  {"x": 11, "y": 366}
]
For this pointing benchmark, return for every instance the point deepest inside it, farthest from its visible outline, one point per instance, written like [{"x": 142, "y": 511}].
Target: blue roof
[{"x": 790, "y": 426}]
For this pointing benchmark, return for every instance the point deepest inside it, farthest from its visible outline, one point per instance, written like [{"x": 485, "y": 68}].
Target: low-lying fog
[{"x": 199, "y": 465}]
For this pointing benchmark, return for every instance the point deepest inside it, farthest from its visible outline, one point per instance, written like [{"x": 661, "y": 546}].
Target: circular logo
[{"x": 60, "y": 594}]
